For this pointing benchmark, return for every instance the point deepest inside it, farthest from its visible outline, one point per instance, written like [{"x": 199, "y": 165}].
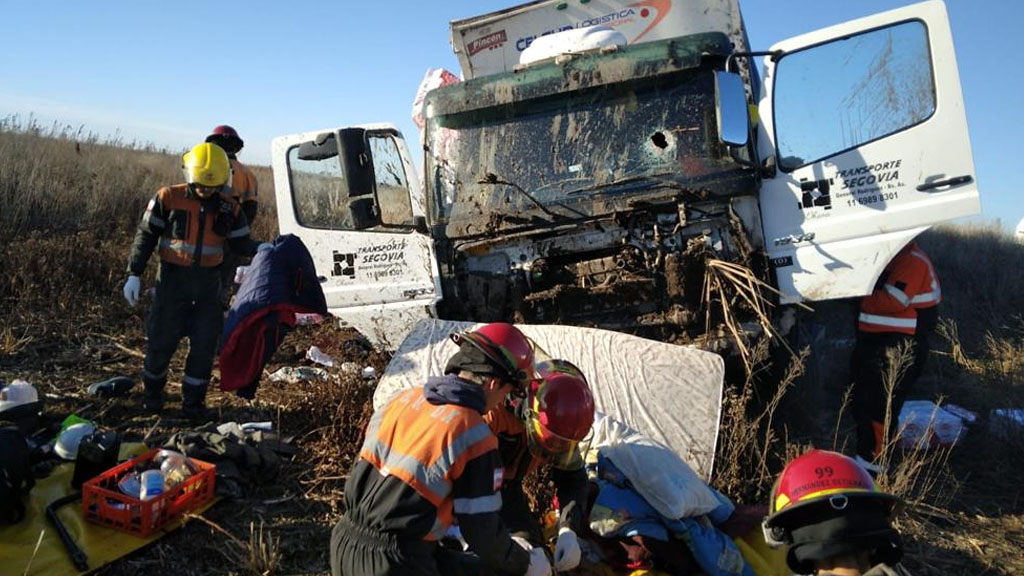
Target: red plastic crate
[{"x": 104, "y": 503}]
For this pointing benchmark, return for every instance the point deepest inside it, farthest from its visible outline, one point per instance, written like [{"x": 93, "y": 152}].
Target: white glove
[
  {"x": 264, "y": 246},
  {"x": 132, "y": 287},
  {"x": 567, "y": 550},
  {"x": 539, "y": 565}
]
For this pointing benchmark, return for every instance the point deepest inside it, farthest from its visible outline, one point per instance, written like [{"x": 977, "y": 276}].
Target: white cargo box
[{"x": 492, "y": 43}]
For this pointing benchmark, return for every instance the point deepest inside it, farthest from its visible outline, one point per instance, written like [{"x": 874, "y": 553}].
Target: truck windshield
[{"x": 574, "y": 152}]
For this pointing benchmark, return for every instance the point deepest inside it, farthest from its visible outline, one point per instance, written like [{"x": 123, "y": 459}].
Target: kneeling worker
[
  {"x": 545, "y": 429},
  {"x": 834, "y": 519},
  {"x": 428, "y": 460}
]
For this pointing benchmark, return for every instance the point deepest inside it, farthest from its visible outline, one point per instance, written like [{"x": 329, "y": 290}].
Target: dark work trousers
[
  {"x": 232, "y": 260},
  {"x": 187, "y": 304},
  {"x": 358, "y": 551},
  {"x": 870, "y": 366}
]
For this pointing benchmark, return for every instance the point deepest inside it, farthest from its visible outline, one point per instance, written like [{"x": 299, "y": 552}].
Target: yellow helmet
[{"x": 206, "y": 165}]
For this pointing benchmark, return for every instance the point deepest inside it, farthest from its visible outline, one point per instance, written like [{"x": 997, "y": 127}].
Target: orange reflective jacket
[
  {"x": 243, "y": 182},
  {"x": 907, "y": 284},
  {"x": 193, "y": 231},
  {"x": 427, "y": 447}
]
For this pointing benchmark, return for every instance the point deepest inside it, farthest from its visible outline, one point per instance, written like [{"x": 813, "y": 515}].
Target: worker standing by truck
[
  {"x": 545, "y": 428},
  {"x": 189, "y": 223},
  {"x": 429, "y": 460},
  {"x": 898, "y": 317},
  {"x": 245, "y": 188}
]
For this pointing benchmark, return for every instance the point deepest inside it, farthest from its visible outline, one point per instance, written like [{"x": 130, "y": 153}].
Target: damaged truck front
[
  {"x": 594, "y": 188},
  {"x": 587, "y": 192}
]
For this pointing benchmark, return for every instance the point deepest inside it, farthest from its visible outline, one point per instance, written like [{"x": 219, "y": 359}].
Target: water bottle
[
  {"x": 175, "y": 470},
  {"x": 152, "y": 484}
]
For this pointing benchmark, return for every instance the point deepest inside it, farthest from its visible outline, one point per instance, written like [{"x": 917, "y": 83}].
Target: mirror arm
[{"x": 775, "y": 54}]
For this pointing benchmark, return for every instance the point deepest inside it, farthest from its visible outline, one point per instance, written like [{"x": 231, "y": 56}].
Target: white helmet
[
  {"x": 18, "y": 402},
  {"x": 16, "y": 394},
  {"x": 70, "y": 438}
]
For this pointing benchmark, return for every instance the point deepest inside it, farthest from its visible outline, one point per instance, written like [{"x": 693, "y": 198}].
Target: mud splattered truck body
[{"x": 592, "y": 187}]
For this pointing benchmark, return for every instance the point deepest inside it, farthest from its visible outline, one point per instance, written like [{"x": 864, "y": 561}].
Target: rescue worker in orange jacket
[
  {"x": 428, "y": 461},
  {"x": 832, "y": 518},
  {"x": 901, "y": 311},
  {"x": 189, "y": 224},
  {"x": 545, "y": 428},
  {"x": 245, "y": 189},
  {"x": 243, "y": 181}
]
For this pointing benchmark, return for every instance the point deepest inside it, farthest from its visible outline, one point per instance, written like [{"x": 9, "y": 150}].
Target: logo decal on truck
[
  {"x": 654, "y": 10},
  {"x": 869, "y": 184},
  {"x": 488, "y": 42},
  {"x": 344, "y": 264},
  {"x": 385, "y": 260}
]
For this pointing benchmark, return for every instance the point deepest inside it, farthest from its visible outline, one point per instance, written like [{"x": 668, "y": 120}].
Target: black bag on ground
[
  {"x": 97, "y": 453},
  {"x": 16, "y": 478}
]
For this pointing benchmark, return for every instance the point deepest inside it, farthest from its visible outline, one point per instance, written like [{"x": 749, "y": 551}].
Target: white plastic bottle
[{"x": 152, "y": 484}]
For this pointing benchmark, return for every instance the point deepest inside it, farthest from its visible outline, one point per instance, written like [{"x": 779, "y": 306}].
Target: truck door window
[
  {"x": 392, "y": 187},
  {"x": 836, "y": 96},
  {"x": 319, "y": 192}
]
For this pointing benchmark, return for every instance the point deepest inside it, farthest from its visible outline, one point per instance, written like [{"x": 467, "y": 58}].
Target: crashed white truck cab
[{"x": 592, "y": 188}]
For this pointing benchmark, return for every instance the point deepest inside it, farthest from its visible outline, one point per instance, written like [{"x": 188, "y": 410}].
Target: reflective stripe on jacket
[
  {"x": 192, "y": 231},
  {"x": 427, "y": 447},
  {"x": 907, "y": 284}
]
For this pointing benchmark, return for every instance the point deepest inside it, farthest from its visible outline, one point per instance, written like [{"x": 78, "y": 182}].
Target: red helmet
[
  {"x": 505, "y": 346},
  {"x": 227, "y": 138},
  {"x": 561, "y": 413},
  {"x": 812, "y": 492}
]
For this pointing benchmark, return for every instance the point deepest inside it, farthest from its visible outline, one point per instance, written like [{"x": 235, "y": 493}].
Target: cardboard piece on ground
[
  {"x": 102, "y": 545},
  {"x": 671, "y": 394}
]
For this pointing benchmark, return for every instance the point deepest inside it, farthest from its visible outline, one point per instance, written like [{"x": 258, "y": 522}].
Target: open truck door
[
  {"x": 864, "y": 144},
  {"x": 352, "y": 196}
]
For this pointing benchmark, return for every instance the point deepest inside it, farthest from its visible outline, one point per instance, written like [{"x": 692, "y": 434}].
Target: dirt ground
[
  {"x": 969, "y": 518},
  {"x": 973, "y": 531}
]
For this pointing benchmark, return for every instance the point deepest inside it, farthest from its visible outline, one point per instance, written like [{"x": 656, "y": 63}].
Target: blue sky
[{"x": 167, "y": 73}]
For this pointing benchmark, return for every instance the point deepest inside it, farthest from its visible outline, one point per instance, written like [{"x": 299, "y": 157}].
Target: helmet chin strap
[{"x": 213, "y": 191}]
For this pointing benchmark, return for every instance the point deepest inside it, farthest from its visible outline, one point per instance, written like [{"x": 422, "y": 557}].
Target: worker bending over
[{"x": 429, "y": 460}]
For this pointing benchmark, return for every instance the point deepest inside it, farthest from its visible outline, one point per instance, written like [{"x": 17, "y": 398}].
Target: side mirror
[
  {"x": 323, "y": 147},
  {"x": 731, "y": 109},
  {"x": 356, "y": 163},
  {"x": 419, "y": 224},
  {"x": 364, "y": 213}
]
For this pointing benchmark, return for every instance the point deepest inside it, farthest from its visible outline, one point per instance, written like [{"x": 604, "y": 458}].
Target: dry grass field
[{"x": 69, "y": 204}]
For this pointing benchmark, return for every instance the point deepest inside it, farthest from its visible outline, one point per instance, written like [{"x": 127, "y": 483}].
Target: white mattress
[{"x": 671, "y": 394}]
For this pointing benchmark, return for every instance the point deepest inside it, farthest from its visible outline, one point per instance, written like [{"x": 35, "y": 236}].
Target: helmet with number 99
[{"x": 825, "y": 505}]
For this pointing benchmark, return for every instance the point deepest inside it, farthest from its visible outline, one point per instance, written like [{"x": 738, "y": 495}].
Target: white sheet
[{"x": 671, "y": 394}]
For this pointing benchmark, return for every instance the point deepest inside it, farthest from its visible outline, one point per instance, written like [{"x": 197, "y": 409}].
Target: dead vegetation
[{"x": 70, "y": 209}]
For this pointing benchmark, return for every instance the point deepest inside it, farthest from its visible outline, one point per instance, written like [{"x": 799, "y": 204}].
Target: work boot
[
  {"x": 112, "y": 388},
  {"x": 152, "y": 397},
  {"x": 193, "y": 402}
]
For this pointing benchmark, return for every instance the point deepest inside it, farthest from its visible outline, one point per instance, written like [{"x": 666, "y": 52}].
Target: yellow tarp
[
  {"x": 764, "y": 561},
  {"x": 102, "y": 545}
]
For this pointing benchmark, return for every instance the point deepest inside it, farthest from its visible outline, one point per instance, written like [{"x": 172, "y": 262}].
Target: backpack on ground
[{"x": 16, "y": 478}]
